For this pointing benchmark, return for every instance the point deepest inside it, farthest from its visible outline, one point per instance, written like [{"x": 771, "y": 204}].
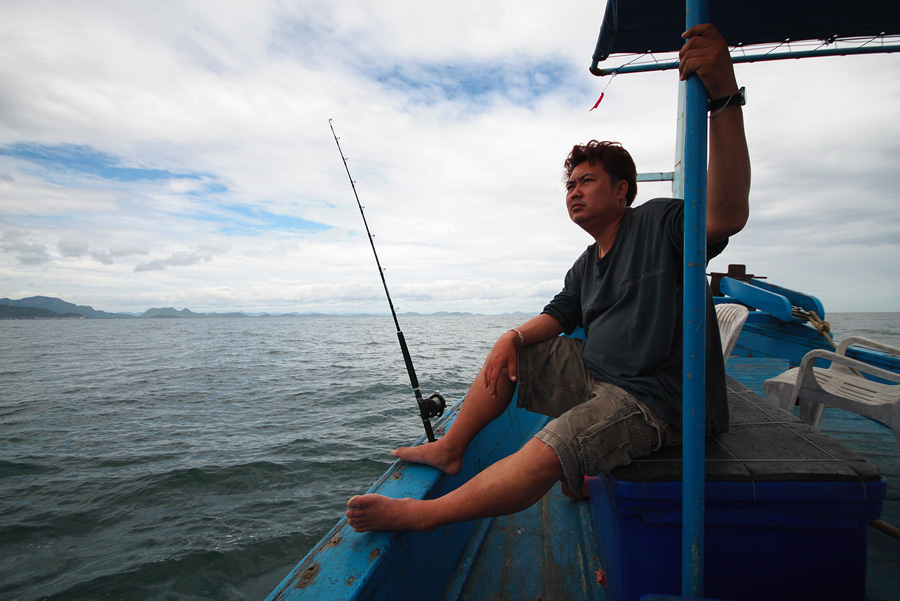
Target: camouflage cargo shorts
[{"x": 597, "y": 426}]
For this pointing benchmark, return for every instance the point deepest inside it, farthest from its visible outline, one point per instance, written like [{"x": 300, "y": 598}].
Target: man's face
[{"x": 592, "y": 198}]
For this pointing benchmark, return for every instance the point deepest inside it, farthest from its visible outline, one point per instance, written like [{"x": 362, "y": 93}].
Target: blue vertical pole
[{"x": 694, "y": 325}]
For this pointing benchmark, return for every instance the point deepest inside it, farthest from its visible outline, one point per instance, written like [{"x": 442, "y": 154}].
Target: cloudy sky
[{"x": 158, "y": 153}]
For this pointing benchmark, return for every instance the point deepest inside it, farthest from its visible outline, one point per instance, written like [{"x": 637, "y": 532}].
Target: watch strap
[{"x": 739, "y": 98}]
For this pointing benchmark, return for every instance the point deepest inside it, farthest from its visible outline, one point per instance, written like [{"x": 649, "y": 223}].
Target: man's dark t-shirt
[{"x": 630, "y": 306}]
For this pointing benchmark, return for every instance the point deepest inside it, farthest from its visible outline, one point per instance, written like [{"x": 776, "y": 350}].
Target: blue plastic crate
[{"x": 786, "y": 514}]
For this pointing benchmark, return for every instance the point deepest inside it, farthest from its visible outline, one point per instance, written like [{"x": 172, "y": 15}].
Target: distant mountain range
[
  {"x": 10, "y": 312},
  {"x": 46, "y": 307}
]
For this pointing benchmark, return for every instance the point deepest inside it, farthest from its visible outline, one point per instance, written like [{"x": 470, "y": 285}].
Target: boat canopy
[{"x": 655, "y": 26}]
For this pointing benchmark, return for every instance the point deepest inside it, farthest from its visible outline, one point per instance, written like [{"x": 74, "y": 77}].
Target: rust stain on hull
[{"x": 308, "y": 575}]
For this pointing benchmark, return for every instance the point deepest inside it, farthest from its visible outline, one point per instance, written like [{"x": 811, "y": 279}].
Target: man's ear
[{"x": 621, "y": 189}]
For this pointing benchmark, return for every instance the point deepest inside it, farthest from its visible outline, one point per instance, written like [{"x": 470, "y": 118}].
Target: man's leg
[
  {"x": 508, "y": 486},
  {"x": 478, "y": 410}
]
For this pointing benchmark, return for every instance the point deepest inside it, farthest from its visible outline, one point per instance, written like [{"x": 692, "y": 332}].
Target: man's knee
[{"x": 544, "y": 458}]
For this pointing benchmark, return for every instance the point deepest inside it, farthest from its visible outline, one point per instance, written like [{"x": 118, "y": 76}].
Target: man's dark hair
[{"x": 615, "y": 160}]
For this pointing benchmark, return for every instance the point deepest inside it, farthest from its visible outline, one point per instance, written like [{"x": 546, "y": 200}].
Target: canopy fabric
[{"x": 633, "y": 26}]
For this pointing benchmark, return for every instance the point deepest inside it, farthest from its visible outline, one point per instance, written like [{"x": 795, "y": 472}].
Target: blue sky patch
[
  {"x": 253, "y": 221},
  {"x": 522, "y": 82},
  {"x": 84, "y": 159}
]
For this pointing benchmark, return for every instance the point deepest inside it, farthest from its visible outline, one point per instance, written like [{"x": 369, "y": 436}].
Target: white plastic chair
[
  {"x": 839, "y": 386},
  {"x": 731, "y": 318}
]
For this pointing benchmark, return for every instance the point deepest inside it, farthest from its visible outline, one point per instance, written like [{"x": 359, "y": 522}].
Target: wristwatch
[{"x": 739, "y": 98}]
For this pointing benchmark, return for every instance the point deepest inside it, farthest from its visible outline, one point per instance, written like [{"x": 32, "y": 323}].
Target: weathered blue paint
[
  {"x": 391, "y": 565},
  {"x": 775, "y": 305},
  {"x": 764, "y": 336},
  {"x": 775, "y": 300},
  {"x": 694, "y": 324}
]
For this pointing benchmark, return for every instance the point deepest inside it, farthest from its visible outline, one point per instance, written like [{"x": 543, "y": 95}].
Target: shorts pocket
[{"x": 616, "y": 440}]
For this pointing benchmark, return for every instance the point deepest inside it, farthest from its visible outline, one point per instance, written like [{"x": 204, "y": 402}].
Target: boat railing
[{"x": 781, "y": 303}]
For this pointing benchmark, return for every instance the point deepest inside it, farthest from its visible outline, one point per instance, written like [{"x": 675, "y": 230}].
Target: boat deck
[{"x": 546, "y": 552}]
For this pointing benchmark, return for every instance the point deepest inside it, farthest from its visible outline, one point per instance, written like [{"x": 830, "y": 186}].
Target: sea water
[{"x": 202, "y": 458}]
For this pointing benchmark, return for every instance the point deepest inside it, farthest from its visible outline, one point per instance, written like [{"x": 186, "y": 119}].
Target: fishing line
[
  {"x": 434, "y": 405},
  {"x": 603, "y": 91}
]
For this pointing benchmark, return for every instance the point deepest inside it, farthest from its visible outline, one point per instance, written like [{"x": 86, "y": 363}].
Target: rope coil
[{"x": 821, "y": 326}]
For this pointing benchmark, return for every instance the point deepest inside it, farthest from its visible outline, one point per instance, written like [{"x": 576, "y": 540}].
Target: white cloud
[
  {"x": 221, "y": 188},
  {"x": 72, "y": 246},
  {"x": 26, "y": 253},
  {"x": 181, "y": 258},
  {"x": 127, "y": 249},
  {"x": 101, "y": 256}
]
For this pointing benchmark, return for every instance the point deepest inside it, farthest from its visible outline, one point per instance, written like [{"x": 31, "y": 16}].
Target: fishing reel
[{"x": 433, "y": 406}]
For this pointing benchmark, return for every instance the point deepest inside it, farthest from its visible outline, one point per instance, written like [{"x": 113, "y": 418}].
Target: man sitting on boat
[{"x": 617, "y": 395}]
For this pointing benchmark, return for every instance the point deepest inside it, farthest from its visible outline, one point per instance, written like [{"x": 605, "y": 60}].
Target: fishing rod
[{"x": 434, "y": 405}]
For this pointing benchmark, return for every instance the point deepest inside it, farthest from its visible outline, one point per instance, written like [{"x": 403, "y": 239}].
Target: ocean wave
[
  {"x": 192, "y": 574},
  {"x": 201, "y": 459}
]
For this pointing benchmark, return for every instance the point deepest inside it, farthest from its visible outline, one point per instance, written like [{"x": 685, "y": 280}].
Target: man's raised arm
[{"x": 728, "y": 180}]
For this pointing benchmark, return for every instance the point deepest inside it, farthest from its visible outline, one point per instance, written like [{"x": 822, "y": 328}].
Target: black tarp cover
[{"x": 638, "y": 26}]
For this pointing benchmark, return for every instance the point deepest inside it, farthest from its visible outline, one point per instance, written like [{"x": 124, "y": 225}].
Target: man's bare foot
[
  {"x": 434, "y": 454},
  {"x": 376, "y": 512},
  {"x": 577, "y": 495}
]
